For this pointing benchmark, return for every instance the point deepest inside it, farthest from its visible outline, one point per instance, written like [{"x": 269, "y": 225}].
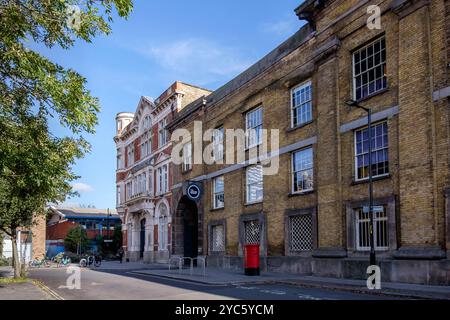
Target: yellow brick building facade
[{"x": 309, "y": 217}]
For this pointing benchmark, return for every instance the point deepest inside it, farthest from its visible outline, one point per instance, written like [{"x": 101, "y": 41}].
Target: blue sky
[{"x": 205, "y": 43}]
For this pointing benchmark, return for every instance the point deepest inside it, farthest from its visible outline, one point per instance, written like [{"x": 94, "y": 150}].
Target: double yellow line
[{"x": 47, "y": 290}]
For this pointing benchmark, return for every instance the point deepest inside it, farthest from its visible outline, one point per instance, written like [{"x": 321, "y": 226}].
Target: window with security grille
[
  {"x": 301, "y": 232},
  {"x": 369, "y": 69},
  {"x": 301, "y": 104},
  {"x": 380, "y": 157},
  {"x": 380, "y": 230},
  {"x": 218, "y": 238},
  {"x": 252, "y": 232}
]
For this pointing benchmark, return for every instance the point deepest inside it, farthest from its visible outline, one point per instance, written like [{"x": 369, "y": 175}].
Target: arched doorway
[
  {"x": 187, "y": 222},
  {"x": 142, "y": 238}
]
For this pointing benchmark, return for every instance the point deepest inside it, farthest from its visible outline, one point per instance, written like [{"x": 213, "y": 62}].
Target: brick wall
[
  {"x": 38, "y": 240},
  {"x": 418, "y": 133}
]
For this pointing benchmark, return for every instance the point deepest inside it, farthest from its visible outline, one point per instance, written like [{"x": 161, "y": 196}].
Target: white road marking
[
  {"x": 277, "y": 292},
  {"x": 308, "y": 297}
]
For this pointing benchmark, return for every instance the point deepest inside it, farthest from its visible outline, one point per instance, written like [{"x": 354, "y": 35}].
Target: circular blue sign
[{"x": 194, "y": 192}]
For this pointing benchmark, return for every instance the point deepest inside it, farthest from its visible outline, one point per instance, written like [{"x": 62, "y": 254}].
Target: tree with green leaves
[
  {"x": 35, "y": 165},
  {"x": 76, "y": 240}
]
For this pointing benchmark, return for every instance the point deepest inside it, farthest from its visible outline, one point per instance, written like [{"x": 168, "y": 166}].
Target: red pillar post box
[{"x": 251, "y": 259}]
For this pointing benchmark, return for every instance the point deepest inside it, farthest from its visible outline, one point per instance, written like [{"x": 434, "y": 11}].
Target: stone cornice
[
  {"x": 326, "y": 50},
  {"x": 402, "y": 8},
  {"x": 309, "y": 9}
]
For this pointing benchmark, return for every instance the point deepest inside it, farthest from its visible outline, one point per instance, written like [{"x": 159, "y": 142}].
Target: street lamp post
[
  {"x": 353, "y": 103},
  {"x": 107, "y": 224}
]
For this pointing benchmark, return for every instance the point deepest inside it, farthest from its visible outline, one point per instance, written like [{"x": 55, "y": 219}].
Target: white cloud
[
  {"x": 82, "y": 187},
  {"x": 205, "y": 60}
]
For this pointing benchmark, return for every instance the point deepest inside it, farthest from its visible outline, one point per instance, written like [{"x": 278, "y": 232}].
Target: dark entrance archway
[
  {"x": 187, "y": 225},
  {"x": 142, "y": 239}
]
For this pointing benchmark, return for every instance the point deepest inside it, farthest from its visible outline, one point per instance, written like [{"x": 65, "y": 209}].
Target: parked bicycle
[
  {"x": 61, "y": 259},
  {"x": 37, "y": 263},
  {"x": 88, "y": 261}
]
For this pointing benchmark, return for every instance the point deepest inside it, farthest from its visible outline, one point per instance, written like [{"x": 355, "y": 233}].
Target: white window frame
[
  {"x": 254, "y": 128},
  {"x": 376, "y": 219},
  {"x": 187, "y": 156},
  {"x": 144, "y": 182},
  {"x": 130, "y": 151},
  {"x": 294, "y": 172},
  {"x": 162, "y": 176},
  {"x": 128, "y": 190},
  {"x": 118, "y": 196},
  {"x": 248, "y": 185},
  {"x": 150, "y": 182},
  {"x": 355, "y": 151},
  {"x": 159, "y": 180},
  {"x": 354, "y": 75},
  {"x": 218, "y": 145},
  {"x": 147, "y": 122},
  {"x": 303, "y": 104},
  {"x": 216, "y": 193},
  {"x": 145, "y": 145},
  {"x": 119, "y": 161},
  {"x": 162, "y": 133}
]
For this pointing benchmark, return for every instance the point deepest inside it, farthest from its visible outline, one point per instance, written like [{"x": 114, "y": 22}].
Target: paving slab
[{"x": 22, "y": 291}]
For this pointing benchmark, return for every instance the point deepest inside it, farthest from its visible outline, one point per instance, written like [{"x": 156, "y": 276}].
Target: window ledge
[
  {"x": 295, "y": 194},
  {"x": 366, "y": 180},
  {"x": 291, "y": 129},
  {"x": 217, "y": 209},
  {"x": 217, "y": 253},
  {"x": 373, "y": 95},
  {"x": 257, "y": 146},
  {"x": 253, "y": 203}
]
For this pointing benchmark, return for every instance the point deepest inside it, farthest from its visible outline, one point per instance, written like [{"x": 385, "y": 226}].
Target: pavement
[
  {"x": 24, "y": 290},
  {"x": 6, "y": 272},
  {"x": 217, "y": 276}
]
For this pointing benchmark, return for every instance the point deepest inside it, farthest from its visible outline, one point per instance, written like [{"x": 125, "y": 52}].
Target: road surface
[{"x": 123, "y": 284}]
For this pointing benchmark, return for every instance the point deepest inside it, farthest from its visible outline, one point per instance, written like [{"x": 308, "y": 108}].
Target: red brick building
[
  {"x": 143, "y": 175},
  {"x": 96, "y": 222}
]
